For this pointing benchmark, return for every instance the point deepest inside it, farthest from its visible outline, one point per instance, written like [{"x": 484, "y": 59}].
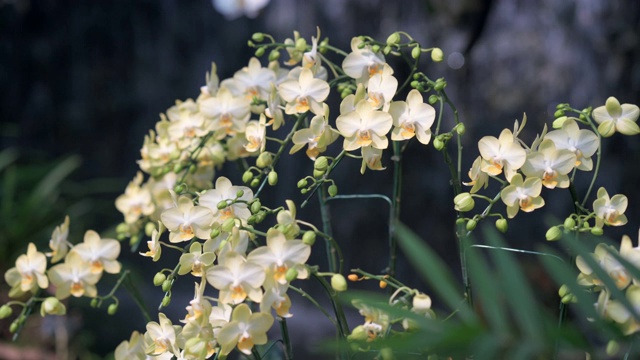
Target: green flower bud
[
  {"x": 256, "y": 205},
  {"x": 148, "y": 228},
  {"x": 159, "y": 278},
  {"x": 415, "y": 84},
  {"x": 166, "y": 285},
  {"x": 260, "y": 217},
  {"x": 597, "y": 231},
  {"x": 338, "y": 283},
  {"x": 415, "y": 53},
  {"x": 14, "y": 326},
  {"x": 193, "y": 168},
  {"x": 228, "y": 225},
  {"x": 5, "y": 311},
  {"x": 222, "y": 204},
  {"x": 439, "y": 85},
  {"x": 250, "y": 43},
  {"x": 274, "y": 55},
  {"x": 437, "y": 55},
  {"x": 251, "y": 220},
  {"x": 386, "y": 50},
  {"x": 272, "y": 178},
  {"x": 301, "y": 44},
  {"x": 362, "y": 45},
  {"x": 318, "y": 173},
  {"x": 309, "y": 238},
  {"x": 386, "y": 354},
  {"x": 247, "y": 176},
  {"x": 302, "y": 183},
  {"x": 255, "y": 182},
  {"x": 215, "y": 232},
  {"x": 375, "y": 48},
  {"x": 321, "y": 163},
  {"x": 259, "y": 37},
  {"x": 569, "y": 223},
  {"x": 291, "y": 274},
  {"x": 333, "y": 190},
  {"x": 393, "y": 39},
  {"x": 471, "y": 224},
  {"x": 112, "y": 309},
  {"x": 557, "y": 123},
  {"x": 612, "y": 347},
  {"x": 554, "y": 233},
  {"x": 134, "y": 240},
  {"x": 461, "y": 221},
  {"x": 464, "y": 202},
  {"x": 323, "y": 45},
  {"x": 433, "y": 99},
  {"x": 461, "y": 129},
  {"x": 239, "y": 193},
  {"x": 358, "y": 334},
  {"x": 438, "y": 144},
  {"x": 563, "y": 291},
  {"x": 502, "y": 225},
  {"x": 177, "y": 168},
  {"x": 93, "y": 303},
  {"x": 558, "y": 113},
  {"x": 122, "y": 228},
  {"x": 569, "y": 298},
  {"x": 264, "y": 159},
  {"x": 166, "y": 301},
  {"x": 303, "y": 191}
]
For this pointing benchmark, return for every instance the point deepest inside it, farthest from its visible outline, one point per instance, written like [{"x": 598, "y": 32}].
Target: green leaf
[{"x": 433, "y": 270}]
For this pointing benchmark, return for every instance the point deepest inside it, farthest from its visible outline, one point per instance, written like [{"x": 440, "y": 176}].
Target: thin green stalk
[
  {"x": 343, "y": 326},
  {"x": 598, "y": 158},
  {"x": 326, "y": 228},
  {"x": 320, "y": 181},
  {"x": 394, "y": 214},
  {"x": 288, "y": 350},
  {"x": 306, "y": 295}
]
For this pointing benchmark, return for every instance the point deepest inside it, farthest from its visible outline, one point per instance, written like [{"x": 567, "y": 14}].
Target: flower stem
[{"x": 288, "y": 350}]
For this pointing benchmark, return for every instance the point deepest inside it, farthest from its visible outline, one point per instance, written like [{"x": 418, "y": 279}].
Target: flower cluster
[{"x": 77, "y": 270}]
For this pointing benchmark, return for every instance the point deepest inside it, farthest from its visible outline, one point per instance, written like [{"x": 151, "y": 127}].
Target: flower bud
[
  {"x": 255, "y": 206},
  {"x": 501, "y": 225},
  {"x": 386, "y": 354},
  {"x": 52, "y": 306},
  {"x": 318, "y": 173},
  {"x": 563, "y": 291},
  {"x": 179, "y": 189},
  {"x": 272, "y": 178},
  {"x": 386, "y": 50},
  {"x": 553, "y": 234},
  {"x": 291, "y": 274},
  {"x": 193, "y": 168},
  {"x": 134, "y": 240},
  {"x": 149, "y": 228},
  {"x": 228, "y": 225},
  {"x": 461, "y": 129},
  {"x": 255, "y": 182},
  {"x": 375, "y": 48},
  {"x": 557, "y": 123},
  {"x": 597, "y": 231},
  {"x": 112, "y": 309},
  {"x": 383, "y": 284},
  {"x": 166, "y": 285},
  {"x": 159, "y": 278},
  {"x": 433, "y": 99},
  {"x": 14, "y": 326},
  {"x": 302, "y": 183},
  {"x": 260, "y": 217},
  {"x": 353, "y": 277},
  {"x": 251, "y": 220},
  {"x": 415, "y": 53},
  {"x": 259, "y": 37},
  {"x": 321, "y": 163},
  {"x": 415, "y": 83},
  {"x": 259, "y": 52},
  {"x": 421, "y": 302},
  {"x": 247, "y": 176},
  {"x": 393, "y": 39},
  {"x": 338, "y": 283},
  {"x": 93, "y": 303},
  {"x": 333, "y": 190},
  {"x": 166, "y": 301},
  {"x": 274, "y": 55},
  {"x": 612, "y": 347},
  {"x": 309, "y": 238},
  {"x": 122, "y": 228},
  {"x": 239, "y": 193},
  {"x": 5, "y": 311},
  {"x": 569, "y": 223},
  {"x": 358, "y": 334},
  {"x": 558, "y": 113},
  {"x": 215, "y": 232},
  {"x": 569, "y": 298},
  {"x": 471, "y": 224},
  {"x": 222, "y": 204},
  {"x": 464, "y": 202},
  {"x": 439, "y": 85},
  {"x": 264, "y": 159},
  {"x": 438, "y": 144},
  {"x": 437, "y": 55},
  {"x": 301, "y": 44}
]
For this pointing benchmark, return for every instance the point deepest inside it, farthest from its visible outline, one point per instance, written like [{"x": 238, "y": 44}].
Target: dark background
[{"x": 90, "y": 78}]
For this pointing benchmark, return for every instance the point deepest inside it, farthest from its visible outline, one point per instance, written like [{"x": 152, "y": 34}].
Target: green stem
[
  {"x": 326, "y": 228},
  {"x": 306, "y": 295},
  {"x": 321, "y": 181},
  {"x": 394, "y": 214},
  {"x": 598, "y": 158},
  {"x": 288, "y": 350}
]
